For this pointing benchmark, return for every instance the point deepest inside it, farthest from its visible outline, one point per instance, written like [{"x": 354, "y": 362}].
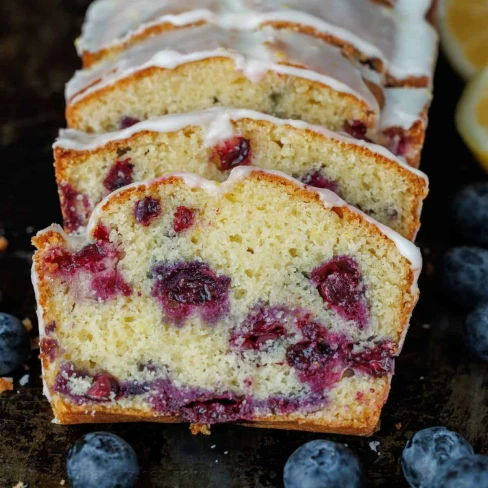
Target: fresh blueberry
[
  {"x": 466, "y": 275},
  {"x": 470, "y": 207},
  {"x": 467, "y": 472},
  {"x": 14, "y": 344},
  {"x": 429, "y": 453},
  {"x": 323, "y": 464},
  {"x": 476, "y": 331},
  {"x": 102, "y": 460}
]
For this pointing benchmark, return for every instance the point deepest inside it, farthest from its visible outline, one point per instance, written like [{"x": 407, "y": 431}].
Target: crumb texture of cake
[
  {"x": 256, "y": 300},
  {"x": 212, "y": 142},
  {"x": 284, "y": 73},
  {"x": 398, "y": 42}
]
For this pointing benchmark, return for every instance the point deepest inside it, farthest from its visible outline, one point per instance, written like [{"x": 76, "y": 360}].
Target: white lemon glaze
[
  {"x": 400, "y": 37},
  {"x": 254, "y": 53},
  {"x": 404, "y": 106}
]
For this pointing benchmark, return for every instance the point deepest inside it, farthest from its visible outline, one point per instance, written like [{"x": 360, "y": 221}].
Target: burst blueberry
[
  {"x": 317, "y": 179},
  {"x": 184, "y": 288},
  {"x": 102, "y": 460},
  {"x": 467, "y": 472},
  {"x": 339, "y": 282},
  {"x": 323, "y": 464},
  {"x": 466, "y": 275},
  {"x": 470, "y": 208},
  {"x": 14, "y": 344},
  {"x": 233, "y": 152},
  {"x": 429, "y": 453},
  {"x": 146, "y": 210},
  {"x": 357, "y": 129},
  {"x": 476, "y": 331}
]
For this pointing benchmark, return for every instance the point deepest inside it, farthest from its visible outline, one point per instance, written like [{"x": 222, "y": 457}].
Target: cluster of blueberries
[
  {"x": 466, "y": 267},
  {"x": 433, "y": 458}
]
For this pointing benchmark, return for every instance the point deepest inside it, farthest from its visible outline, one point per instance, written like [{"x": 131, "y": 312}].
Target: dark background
[{"x": 437, "y": 381}]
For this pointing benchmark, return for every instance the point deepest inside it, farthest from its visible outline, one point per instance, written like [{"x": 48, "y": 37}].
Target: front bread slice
[{"x": 257, "y": 300}]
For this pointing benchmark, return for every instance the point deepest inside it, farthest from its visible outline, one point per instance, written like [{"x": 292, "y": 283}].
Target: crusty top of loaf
[{"x": 403, "y": 40}]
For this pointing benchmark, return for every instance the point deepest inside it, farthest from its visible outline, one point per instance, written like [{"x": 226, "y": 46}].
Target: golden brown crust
[
  {"x": 47, "y": 239},
  {"x": 203, "y": 429},
  {"x": 6, "y": 384},
  {"x": 73, "y": 418},
  {"x": 3, "y": 243}
]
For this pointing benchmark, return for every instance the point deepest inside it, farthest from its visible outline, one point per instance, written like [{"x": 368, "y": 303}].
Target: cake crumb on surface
[
  {"x": 200, "y": 429},
  {"x": 398, "y": 426},
  {"x": 3, "y": 243},
  {"x": 6, "y": 384},
  {"x": 24, "y": 380},
  {"x": 20, "y": 484},
  {"x": 62, "y": 482},
  {"x": 27, "y": 324}
]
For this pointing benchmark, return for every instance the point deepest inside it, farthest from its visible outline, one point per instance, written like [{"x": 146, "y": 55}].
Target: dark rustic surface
[{"x": 437, "y": 381}]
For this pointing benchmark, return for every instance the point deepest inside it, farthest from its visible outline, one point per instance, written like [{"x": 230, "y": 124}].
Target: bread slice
[
  {"x": 398, "y": 41},
  {"x": 283, "y": 73},
  {"x": 213, "y": 141},
  {"x": 257, "y": 300}
]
